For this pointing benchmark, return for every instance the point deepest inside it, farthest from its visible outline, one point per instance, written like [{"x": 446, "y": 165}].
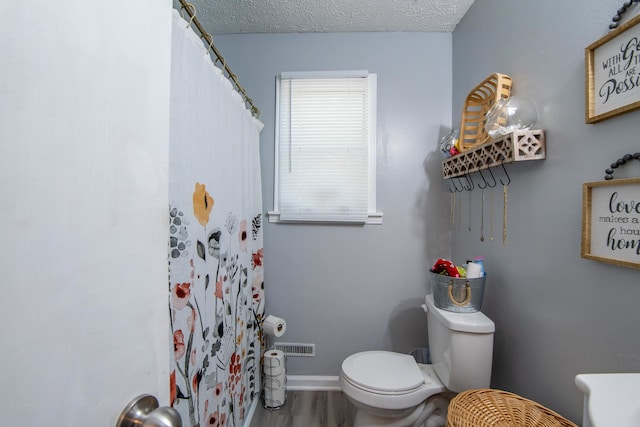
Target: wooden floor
[{"x": 308, "y": 409}]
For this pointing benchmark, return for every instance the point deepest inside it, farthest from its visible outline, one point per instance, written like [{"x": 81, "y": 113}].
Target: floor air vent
[{"x": 296, "y": 349}]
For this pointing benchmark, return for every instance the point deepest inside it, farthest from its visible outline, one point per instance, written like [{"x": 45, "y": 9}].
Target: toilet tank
[{"x": 460, "y": 346}]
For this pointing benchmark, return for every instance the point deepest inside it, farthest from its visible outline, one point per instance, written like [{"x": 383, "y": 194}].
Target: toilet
[{"x": 392, "y": 389}]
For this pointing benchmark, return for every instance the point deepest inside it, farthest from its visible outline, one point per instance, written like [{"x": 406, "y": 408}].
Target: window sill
[{"x": 373, "y": 218}]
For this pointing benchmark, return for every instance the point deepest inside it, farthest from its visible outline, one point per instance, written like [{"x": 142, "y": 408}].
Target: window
[{"x": 325, "y": 148}]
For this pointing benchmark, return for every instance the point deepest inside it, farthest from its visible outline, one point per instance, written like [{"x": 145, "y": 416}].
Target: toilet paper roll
[
  {"x": 275, "y": 326},
  {"x": 274, "y": 362}
]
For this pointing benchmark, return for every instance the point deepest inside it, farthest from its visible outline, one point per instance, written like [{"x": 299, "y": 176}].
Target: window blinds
[{"x": 323, "y": 157}]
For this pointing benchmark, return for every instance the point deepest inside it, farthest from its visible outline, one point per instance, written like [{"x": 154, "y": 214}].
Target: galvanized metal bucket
[{"x": 460, "y": 295}]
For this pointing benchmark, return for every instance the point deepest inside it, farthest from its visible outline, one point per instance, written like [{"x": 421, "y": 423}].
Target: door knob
[{"x": 144, "y": 411}]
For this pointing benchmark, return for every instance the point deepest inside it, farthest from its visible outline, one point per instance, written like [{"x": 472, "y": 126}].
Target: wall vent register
[{"x": 296, "y": 349}]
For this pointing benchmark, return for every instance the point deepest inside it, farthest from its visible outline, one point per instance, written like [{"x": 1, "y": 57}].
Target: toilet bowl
[
  {"x": 397, "y": 395},
  {"x": 392, "y": 389}
]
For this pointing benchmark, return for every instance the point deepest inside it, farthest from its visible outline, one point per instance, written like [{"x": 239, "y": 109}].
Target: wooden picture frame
[
  {"x": 612, "y": 73},
  {"x": 611, "y": 222}
]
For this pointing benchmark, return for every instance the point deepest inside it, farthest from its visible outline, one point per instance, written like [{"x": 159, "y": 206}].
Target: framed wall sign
[
  {"x": 611, "y": 222},
  {"x": 612, "y": 73}
]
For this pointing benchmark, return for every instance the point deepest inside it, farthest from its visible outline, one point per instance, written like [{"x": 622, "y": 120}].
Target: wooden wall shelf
[{"x": 514, "y": 147}]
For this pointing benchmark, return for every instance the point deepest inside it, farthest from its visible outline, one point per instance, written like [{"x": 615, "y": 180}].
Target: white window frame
[{"x": 373, "y": 216}]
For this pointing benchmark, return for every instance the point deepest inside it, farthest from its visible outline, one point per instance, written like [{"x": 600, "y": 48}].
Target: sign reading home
[
  {"x": 613, "y": 73},
  {"x": 611, "y": 221}
]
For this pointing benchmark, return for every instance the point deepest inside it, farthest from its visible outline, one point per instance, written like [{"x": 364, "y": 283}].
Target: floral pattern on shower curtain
[{"x": 215, "y": 248}]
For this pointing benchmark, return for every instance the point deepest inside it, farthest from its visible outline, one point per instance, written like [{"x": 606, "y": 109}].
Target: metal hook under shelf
[
  {"x": 493, "y": 178},
  {"x": 457, "y": 190},
  {"x": 506, "y": 174},
  {"x": 486, "y": 184},
  {"x": 469, "y": 181}
]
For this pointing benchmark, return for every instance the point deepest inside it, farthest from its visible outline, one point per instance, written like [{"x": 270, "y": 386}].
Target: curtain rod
[{"x": 191, "y": 10}]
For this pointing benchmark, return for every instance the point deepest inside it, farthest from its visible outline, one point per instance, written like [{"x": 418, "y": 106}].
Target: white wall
[
  {"x": 84, "y": 111},
  {"x": 354, "y": 288},
  {"x": 556, "y": 314}
]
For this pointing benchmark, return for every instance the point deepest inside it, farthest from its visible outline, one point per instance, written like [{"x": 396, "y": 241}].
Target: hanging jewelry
[
  {"x": 469, "y": 210},
  {"x": 504, "y": 214},
  {"x": 504, "y": 204},
  {"x": 453, "y": 208},
  {"x": 459, "y": 217},
  {"x": 491, "y": 214},
  {"x": 482, "y": 216}
]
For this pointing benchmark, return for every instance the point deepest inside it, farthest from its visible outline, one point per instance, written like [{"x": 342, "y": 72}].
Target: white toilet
[{"x": 392, "y": 389}]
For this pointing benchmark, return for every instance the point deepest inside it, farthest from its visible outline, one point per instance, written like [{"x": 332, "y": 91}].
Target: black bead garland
[
  {"x": 621, "y": 161},
  {"x": 618, "y": 16}
]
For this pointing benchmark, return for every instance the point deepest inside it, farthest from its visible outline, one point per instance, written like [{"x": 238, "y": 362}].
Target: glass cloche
[{"x": 510, "y": 114}]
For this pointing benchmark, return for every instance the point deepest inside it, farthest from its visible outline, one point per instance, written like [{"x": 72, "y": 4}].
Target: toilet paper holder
[{"x": 274, "y": 379}]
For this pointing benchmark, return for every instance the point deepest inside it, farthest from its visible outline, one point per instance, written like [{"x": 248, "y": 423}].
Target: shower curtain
[{"x": 215, "y": 249}]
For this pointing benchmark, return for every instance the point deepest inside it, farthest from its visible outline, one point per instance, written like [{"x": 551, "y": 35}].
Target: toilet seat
[
  {"x": 383, "y": 372},
  {"x": 384, "y": 380}
]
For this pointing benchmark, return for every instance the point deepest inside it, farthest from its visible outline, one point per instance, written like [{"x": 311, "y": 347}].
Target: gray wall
[
  {"x": 556, "y": 314},
  {"x": 354, "y": 288}
]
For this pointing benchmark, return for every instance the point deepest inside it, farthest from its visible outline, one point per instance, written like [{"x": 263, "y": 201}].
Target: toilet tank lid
[{"x": 464, "y": 322}]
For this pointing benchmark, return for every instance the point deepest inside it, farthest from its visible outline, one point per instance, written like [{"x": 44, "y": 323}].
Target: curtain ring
[
  {"x": 191, "y": 10},
  {"x": 210, "y": 43},
  {"x": 222, "y": 61}
]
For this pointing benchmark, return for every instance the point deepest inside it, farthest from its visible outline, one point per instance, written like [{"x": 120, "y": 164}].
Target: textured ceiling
[{"x": 287, "y": 16}]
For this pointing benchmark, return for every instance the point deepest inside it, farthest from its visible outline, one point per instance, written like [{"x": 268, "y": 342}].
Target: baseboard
[{"x": 313, "y": 382}]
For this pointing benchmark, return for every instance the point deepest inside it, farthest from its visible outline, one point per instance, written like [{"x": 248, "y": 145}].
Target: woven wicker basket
[
  {"x": 497, "y": 408},
  {"x": 477, "y": 103}
]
